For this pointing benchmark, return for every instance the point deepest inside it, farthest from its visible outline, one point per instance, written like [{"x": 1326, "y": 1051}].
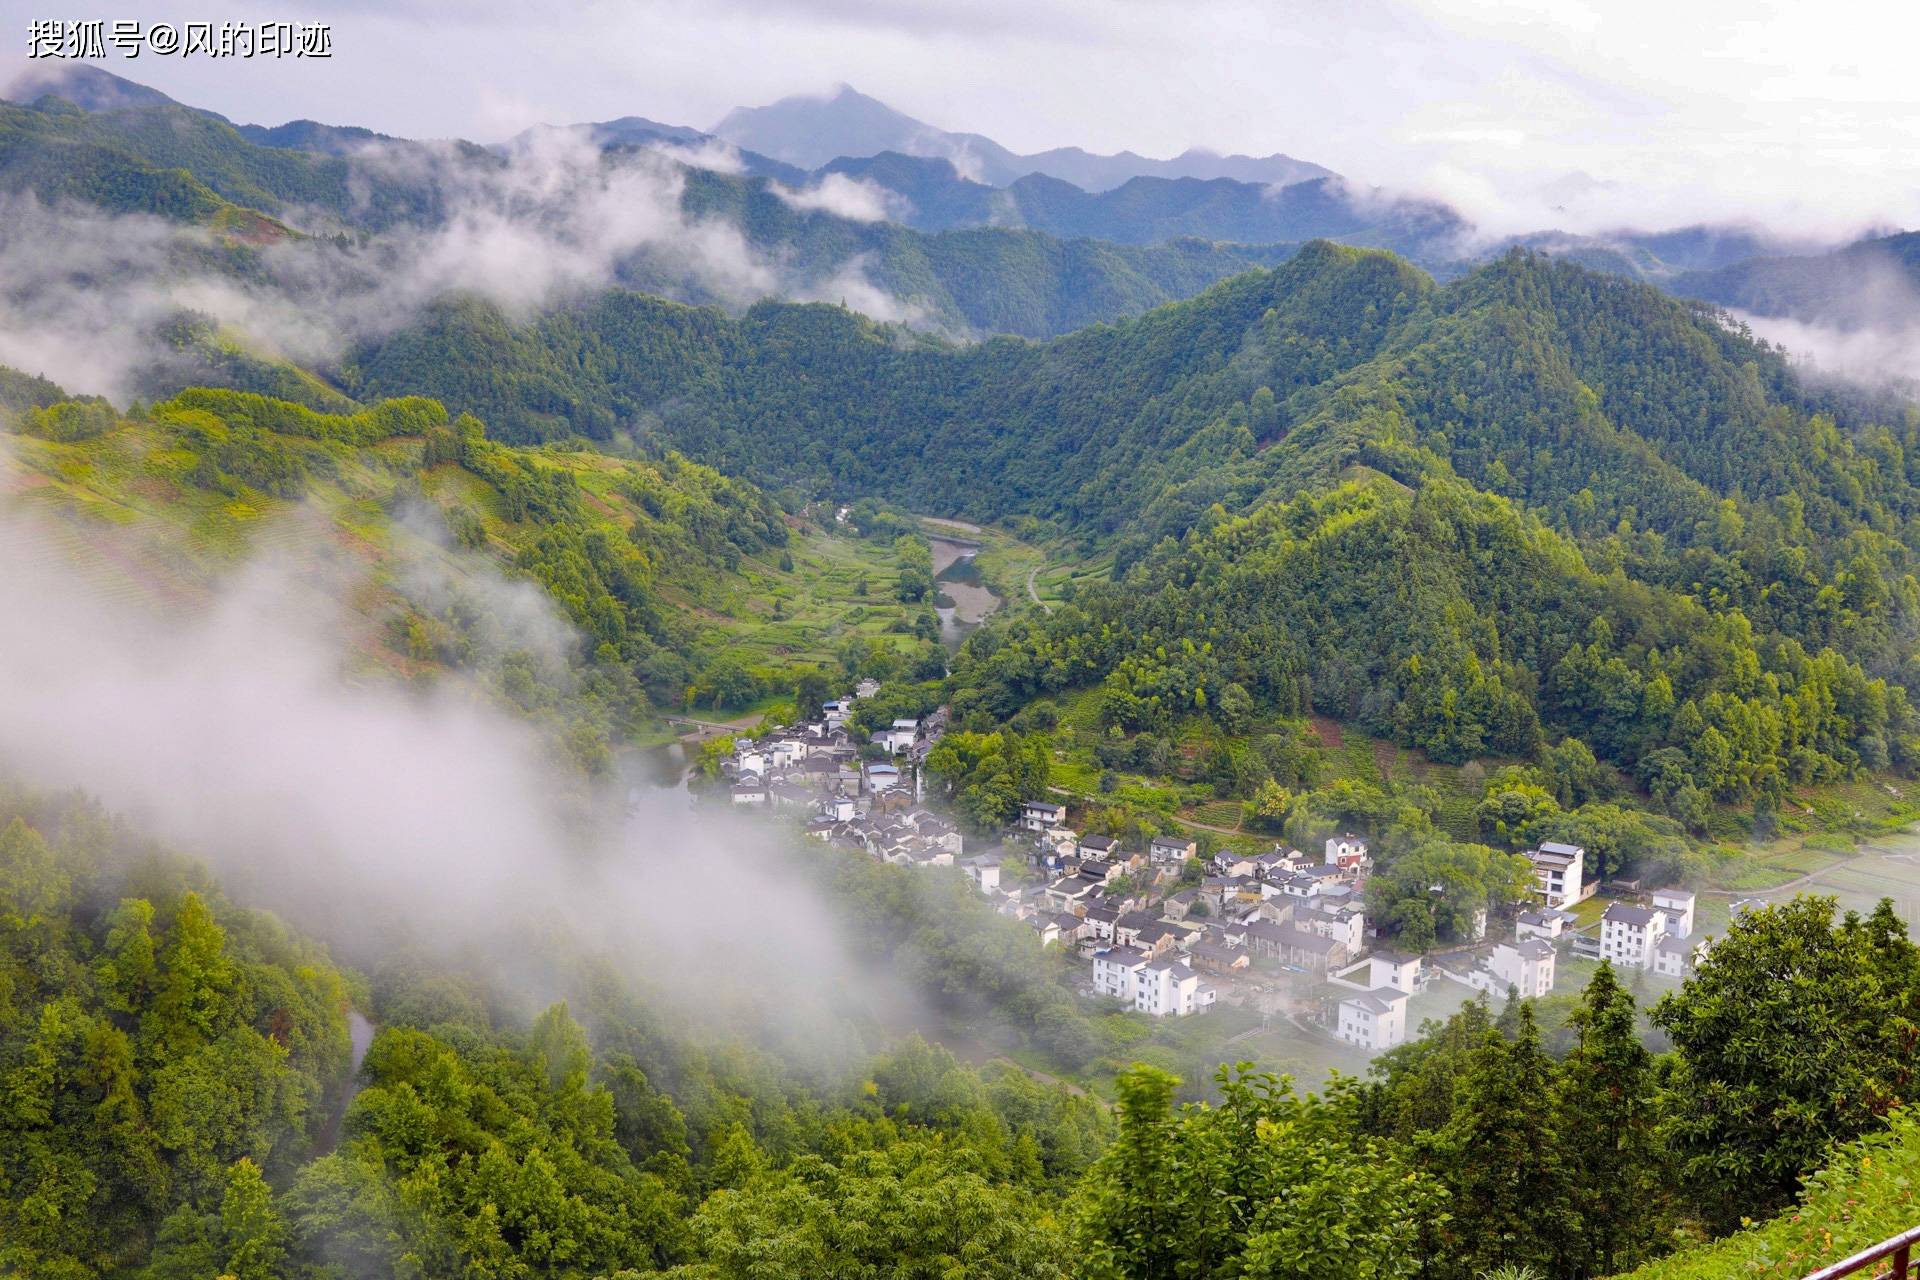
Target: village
[{"x": 1169, "y": 930}]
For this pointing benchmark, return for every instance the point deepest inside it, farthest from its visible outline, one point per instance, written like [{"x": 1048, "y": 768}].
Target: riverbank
[{"x": 961, "y": 598}]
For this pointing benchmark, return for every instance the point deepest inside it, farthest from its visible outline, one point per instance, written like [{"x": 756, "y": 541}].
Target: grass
[
  {"x": 1220, "y": 813},
  {"x": 1868, "y": 1192},
  {"x": 776, "y": 616}
]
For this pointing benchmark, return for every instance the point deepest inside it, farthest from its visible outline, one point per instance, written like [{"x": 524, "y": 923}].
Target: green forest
[
  {"x": 1288, "y": 540},
  {"x": 179, "y": 1102}
]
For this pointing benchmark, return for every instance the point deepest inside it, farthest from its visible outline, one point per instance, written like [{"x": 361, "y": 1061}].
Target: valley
[{"x": 830, "y": 697}]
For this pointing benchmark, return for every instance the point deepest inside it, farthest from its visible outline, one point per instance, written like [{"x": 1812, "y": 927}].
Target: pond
[{"x": 960, "y": 598}]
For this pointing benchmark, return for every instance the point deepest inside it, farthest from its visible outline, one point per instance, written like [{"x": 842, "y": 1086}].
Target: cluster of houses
[
  {"x": 872, "y": 804},
  {"x": 803, "y": 765},
  {"x": 1658, "y": 935},
  {"x": 1168, "y": 947}
]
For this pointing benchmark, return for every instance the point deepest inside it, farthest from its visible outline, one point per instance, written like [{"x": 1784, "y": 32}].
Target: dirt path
[
  {"x": 946, "y": 523},
  {"x": 1034, "y": 593},
  {"x": 705, "y": 728}
]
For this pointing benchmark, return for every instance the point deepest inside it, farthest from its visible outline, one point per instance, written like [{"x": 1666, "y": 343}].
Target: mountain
[
  {"x": 1869, "y": 284},
  {"x": 811, "y": 132},
  {"x": 83, "y": 85},
  {"x": 193, "y": 167},
  {"x": 691, "y": 145},
  {"x": 1149, "y": 210},
  {"x": 1572, "y": 419},
  {"x": 311, "y": 135}
]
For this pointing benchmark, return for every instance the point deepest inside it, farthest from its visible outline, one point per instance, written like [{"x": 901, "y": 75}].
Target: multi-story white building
[
  {"x": 1391, "y": 970},
  {"x": 1678, "y": 906},
  {"x": 1114, "y": 970},
  {"x": 1170, "y": 989},
  {"x": 1525, "y": 965},
  {"x": 1038, "y": 815},
  {"x": 1375, "y": 1020},
  {"x": 1347, "y": 852},
  {"x": 1628, "y": 935},
  {"x": 1558, "y": 871},
  {"x": 1166, "y": 988},
  {"x": 1171, "y": 850}
]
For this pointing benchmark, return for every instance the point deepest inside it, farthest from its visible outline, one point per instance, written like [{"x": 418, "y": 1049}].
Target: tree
[
  {"x": 1794, "y": 1034},
  {"x": 1266, "y": 1184},
  {"x": 1605, "y": 1112},
  {"x": 912, "y": 1208},
  {"x": 196, "y": 992},
  {"x": 1498, "y": 1156},
  {"x": 1268, "y": 809},
  {"x": 1234, "y": 709},
  {"x": 811, "y": 691},
  {"x": 252, "y": 1233}
]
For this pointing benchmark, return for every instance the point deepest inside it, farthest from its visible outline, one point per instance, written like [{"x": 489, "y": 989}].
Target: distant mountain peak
[
  {"x": 84, "y": 85},
  {"x": 813, "y": 130}
]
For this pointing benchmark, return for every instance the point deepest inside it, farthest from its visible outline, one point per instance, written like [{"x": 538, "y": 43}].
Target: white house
[
  {"x": 1347, "y": 852},
  {"x": 1170, "y": 989},
  {"x": 1628, "y": 935},
  {"x": 1345, "y": 925},
  {"x": 1678, "y": 905},
  {"x": 836, "y": 713},
  {"x": 1545, "y": 923},
  {"x": 984, "y": 872},
  {"x": 1171, "y": 850},
  {"x": 882, "y": 777},
  {"x": 1672, "y": 955},
  {"x": 1114, "y": 970},
  {"x": 900, "y": 737},
  {"x": 1038, "y": 815},
  {"x": 1526, "y": 966},
  {"x": 1391, "y": 969},
  {"x": 1557, "y": 870},
  {"x": 1374, "y": 1020},
  {"x": 749, "y": 793}
]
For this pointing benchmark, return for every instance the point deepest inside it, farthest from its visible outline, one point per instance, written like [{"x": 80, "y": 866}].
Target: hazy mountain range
[
  {"x": 827, "y": 175},
  {"x": 810, "y": 132}
]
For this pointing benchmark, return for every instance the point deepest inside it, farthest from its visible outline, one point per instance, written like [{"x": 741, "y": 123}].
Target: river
[{"x": 960, "y": 598}]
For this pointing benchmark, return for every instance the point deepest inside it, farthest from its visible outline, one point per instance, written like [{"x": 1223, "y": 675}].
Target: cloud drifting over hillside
[
  {"x": 378, "y": 814},
  {"x": 87, "y": 292}
]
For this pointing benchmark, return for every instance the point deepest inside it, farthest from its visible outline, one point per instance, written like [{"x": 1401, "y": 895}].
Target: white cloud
[
  {"x": 367, "y": 811},
  {"x": 855, "y": 199}
]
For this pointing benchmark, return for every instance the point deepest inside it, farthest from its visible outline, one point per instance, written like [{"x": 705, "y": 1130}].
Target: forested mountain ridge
[
  {"x": 653, "y": 561},
  {"x": 191, "y": 167},
  {"x": 1533, "y": 378},
  {"x": 1872, "y": 282},
  {"x": 1698, "y": 535}
]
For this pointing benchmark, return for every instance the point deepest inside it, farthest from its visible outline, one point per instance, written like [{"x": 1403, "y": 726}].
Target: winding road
[{"x": 1034, "y": 593}]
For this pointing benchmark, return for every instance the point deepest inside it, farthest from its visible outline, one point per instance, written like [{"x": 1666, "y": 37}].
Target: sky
[{"x": 1573, "y": 113}]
